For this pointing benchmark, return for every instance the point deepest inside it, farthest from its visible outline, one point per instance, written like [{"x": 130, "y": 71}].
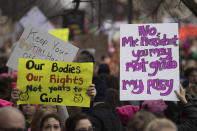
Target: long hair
[
  {"x": 72, "y": 121},
  {"x": 46, "y": 117}
]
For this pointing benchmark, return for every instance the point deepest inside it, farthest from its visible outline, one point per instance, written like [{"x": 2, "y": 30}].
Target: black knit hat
[{"x": 104, "y": 68}]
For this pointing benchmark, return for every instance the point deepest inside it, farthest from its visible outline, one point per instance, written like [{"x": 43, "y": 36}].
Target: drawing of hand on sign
[
  {"x": 24, "y": 96},
  {"x": 27, "y": 46},
  {"x": 78, "y": 98}
]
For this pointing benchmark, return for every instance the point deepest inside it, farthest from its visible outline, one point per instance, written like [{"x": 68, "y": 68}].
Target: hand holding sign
[
  {"x": 91, "y": 91},
  {"x": 181, "y": 95}
]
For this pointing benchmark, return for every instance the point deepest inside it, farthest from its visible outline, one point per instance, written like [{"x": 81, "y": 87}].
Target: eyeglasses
[
  {"x": 89, "y": 129},
  {"x": 12, "y": 129}
]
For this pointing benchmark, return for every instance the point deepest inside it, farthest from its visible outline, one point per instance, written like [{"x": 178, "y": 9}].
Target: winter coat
[
  {"x": 189, "y": 111},
  {"x": 106, "y": 119}
]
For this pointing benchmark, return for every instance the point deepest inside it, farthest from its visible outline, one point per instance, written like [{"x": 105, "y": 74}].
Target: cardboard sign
[
  {"x": 37, "y": 44},
  {"x": 61, "y": 33},
  {"x": 149, "y": 61},
  {"x": 37, "y": 18},
  {"x": 98, "y": 42},
  {"x": 54, "y": 83}
]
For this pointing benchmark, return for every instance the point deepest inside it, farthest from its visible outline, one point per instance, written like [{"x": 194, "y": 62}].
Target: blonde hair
[
  {"x": 158, "y": 124},
  {"x": 140, "y": 121}
]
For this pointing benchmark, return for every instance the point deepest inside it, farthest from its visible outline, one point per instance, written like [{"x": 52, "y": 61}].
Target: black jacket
[
  {"x": 189, "y": 112},
  {"x": 106, "y": 119}
]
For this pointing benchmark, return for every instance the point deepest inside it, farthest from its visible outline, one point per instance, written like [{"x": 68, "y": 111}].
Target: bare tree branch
[
  {"x": 154, "y": 11},
  {"x": 191, "y": 5}
]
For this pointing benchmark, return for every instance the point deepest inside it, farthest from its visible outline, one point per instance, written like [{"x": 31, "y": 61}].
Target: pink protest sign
[{"x": 149, "y": 61}]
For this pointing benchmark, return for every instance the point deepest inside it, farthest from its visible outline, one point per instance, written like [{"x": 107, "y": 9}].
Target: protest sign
[
  {"x": 37, "y": 18},
  {"x": 61, "y": 33},
  {"x": 54, "y": 82},
  {"x": 97, "y": 42},
  {"x": 37, "y": 44},
  {"x": 149, "y": 61}
]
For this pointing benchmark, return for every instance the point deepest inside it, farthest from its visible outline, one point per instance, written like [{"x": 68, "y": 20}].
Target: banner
[
  {"x": 37, "y": 44},
  {"x": 53, "y": 82},
  {"x": 149, "y": 61},
  {"x": 61, "y": 33}
]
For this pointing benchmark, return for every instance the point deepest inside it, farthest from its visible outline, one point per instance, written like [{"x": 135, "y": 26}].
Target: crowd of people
[{"x": 106, "y": 112}]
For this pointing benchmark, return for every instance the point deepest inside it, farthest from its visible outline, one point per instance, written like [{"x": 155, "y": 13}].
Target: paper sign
[
  {"x": 54, "y": 83},
  {"x": 98, "y": 42},
  {"x": 37, "y": 18},
  {"x": 61, "y": 33},
  {"x": 149, "y": 61},
  {"x": 37, "y": 44}
]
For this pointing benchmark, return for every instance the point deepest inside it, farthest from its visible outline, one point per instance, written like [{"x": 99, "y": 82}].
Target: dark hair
[
  {"x": 87, "y": 57},
  {"x": 188, "y": 71},
  {"x": 113, "y": 98},
  {"x": 5, "y": 88},
  {"x": 104, "y": 68},
  {"x": 110, "y": 80},
  {"x": 72, "y": 121},
  {"x": 192, "y": 90},
  {"x": 46, "y": 117}
]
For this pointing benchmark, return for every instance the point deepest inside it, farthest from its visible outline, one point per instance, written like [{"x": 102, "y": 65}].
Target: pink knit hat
[
  {"x": 14, "y": 74},
  {"x": 13, "y": 85},
  {"x": 5, "y": 103},
  {"x": 4, "y": 74},
  {"x": 126, "y": 112},
  {"x": 155, "y": 106}
]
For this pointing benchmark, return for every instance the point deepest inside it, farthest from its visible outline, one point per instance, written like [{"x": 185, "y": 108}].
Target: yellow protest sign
[
  {"x": 61, "y": 33},
  {"x": 54, "y": 82}
]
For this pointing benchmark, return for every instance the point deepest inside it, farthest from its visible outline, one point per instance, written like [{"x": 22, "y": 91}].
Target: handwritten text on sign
[
  {"x": 37, "y": 44},
  {"x": 54, "y": 83},
  {"x": 149, "y": 58}
]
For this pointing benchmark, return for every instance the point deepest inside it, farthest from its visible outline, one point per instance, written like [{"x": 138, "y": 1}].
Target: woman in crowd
[
  {"x": 161, "y": 125},
  {"x": 28, "y": 111},
  {"x": 188, "y": 112},
  {"x": 140, "y": 121},
  {"x": 50, "y": 122},
  {"x": 190, "y": 75},
  {"x": 192, "y": 90},
  {"x": 41, "y": 112},
  {"x": 79, "y": 122}
]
